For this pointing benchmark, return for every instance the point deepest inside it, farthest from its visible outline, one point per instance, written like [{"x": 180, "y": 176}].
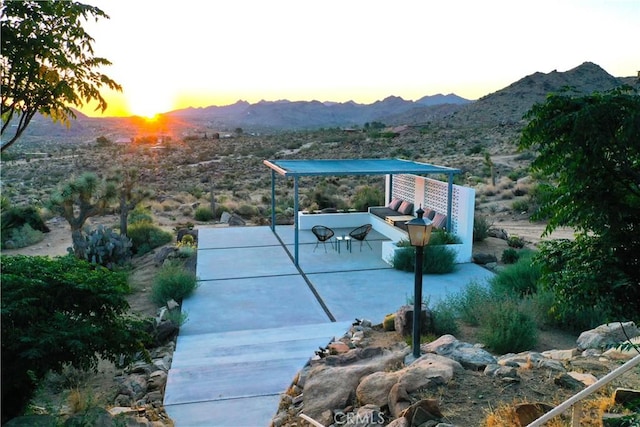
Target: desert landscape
[{"x": 186, "y": 163}]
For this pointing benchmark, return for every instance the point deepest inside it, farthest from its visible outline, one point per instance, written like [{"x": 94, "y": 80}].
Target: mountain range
[{"x": 505, "y": 106}]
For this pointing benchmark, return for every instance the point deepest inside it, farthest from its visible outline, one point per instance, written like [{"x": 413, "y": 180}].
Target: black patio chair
[
  {"x": 323, "y": 234},
  {"x": 360, "y": 234}
]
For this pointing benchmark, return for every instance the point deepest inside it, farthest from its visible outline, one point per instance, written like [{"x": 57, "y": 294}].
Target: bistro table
[{"x": 339, "y": 240}]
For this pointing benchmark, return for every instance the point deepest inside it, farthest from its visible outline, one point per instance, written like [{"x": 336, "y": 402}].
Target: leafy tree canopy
[
  {"x": 47, "y": 62},
  {"x": 56, "y": 312},
  {"x": 589, "y": 147}
]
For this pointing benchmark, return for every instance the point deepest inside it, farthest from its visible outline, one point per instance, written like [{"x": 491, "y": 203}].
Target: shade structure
[{"x": 342, "y": 167}]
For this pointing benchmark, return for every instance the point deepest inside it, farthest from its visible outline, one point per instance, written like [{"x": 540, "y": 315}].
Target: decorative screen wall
[
  {"x": 431, "y": 193},
  {"x": 404, "y": 187}
]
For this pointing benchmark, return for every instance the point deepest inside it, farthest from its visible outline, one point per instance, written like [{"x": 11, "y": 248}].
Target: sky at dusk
[{"x": 175, "y": 54}]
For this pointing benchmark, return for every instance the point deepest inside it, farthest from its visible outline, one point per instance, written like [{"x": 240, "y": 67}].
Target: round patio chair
[
  {"x": 323, "y": 234},
  {"x": 360, "y": 234}
]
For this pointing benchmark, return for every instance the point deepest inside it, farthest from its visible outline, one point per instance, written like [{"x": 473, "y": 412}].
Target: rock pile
[{"x": 350, "y": 384}]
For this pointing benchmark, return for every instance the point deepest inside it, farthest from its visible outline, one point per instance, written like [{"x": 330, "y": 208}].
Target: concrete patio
[{"x": 256, "y": 319}]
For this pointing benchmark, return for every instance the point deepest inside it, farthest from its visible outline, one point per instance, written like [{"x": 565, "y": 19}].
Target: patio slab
[
  {"x": 256, "y": 319},
  {"x": 251, "y": 303}
]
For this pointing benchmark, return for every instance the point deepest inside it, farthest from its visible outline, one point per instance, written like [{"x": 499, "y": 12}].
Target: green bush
[
  {"x": 139, "y": 215},
  {"x": 203, "y": 213},
  {"x": 521, "y": 205},
  {"x": 510, "y": 256},
  {"x": 107, "y": 248},
  {"x": 444, "y": 319},
  {"x": 481, "y": 226},
  {"x": 520, "y": 278},
  {"x": 172, "y": 282},
  {"x": 12, "y": 226},
  {"x": 436, "y": 259},
  {"x": 506, "y": 328},
  {"x": 515, "y": 242},
  {"x": 145, "y": 237},
  {"x": 57, "y": 312},
  {"x": 443, "y": 237},
  {"x": 471, "y": 302},
  {"x": 247, "y": 211},
  {"x": 585, "y": 297},
  {"x": 366, "y": 197},
  {"x": 21, "y": 237}
]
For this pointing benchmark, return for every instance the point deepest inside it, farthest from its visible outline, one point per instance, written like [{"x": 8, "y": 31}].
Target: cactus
[{"x": 107, "y": 248}]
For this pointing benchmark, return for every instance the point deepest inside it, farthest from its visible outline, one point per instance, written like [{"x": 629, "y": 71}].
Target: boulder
[
  {"x": 375, "y": 388},
  {"x": 530, "y": 359},
  {"x": 527, "y": 413},
  {"x": 423, "y": 411},
  {"x": 482, "y": 259},
  {"x": 586, "y": 379},
  {"x": 468, "y": 355},
  {"x": 236, "y": 221},
  {"x": 333, "y": 387},
  {"x": 399, "y": 400},
  {"x": 428, "y": 370},
  {"x": 403, "y": 321},
  {"x": 225, "y": 217},
  {"x": 607, "y": 335}
]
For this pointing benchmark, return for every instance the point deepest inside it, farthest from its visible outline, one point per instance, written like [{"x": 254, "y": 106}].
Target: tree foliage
[
  {"x": 57, "y": 312},
  {"x": 589, "y": 149},
  {"x": 47, "y": 63}
]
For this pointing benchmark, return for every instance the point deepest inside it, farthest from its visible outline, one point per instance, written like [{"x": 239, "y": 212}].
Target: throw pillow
[
  {"x": 428, "y": 213},
  {"x": 406, "y": 208},
  {"x": 394, "y": 204},
  {"x": 439, "y": 220}
]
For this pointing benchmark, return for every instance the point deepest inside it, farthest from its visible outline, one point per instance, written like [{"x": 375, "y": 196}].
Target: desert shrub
[
  {"x": 481, "y": 226},
  {"x": 366, "y": 197},
  {"x": 586, "y": 297},
  {"x": 444, "y": 319},
  {"x": 172, "y": 282},
  {"x": 247, "y": 211},
  {"x": 57, "y": 312},
  {"x": 518, "y": 279},
  {"x": 203, "y": 213},
  {"x": 506, "y": 328},
  {"x": 542, "y": 307},
  {"x": 15, "y": 218},
  {"x": 146, "y": 236},
  {"x": 470, "y": 302},
  {"x": 510, "y": 256},
  {"x": 443, "y": 237},
  {"x": 436, "y": 259},
  {"x": 21, "y": 237},
  {"x": 107, "y": 248},
  {"x": 521, "y": 205},
  {"x": 515, "y": 242}
]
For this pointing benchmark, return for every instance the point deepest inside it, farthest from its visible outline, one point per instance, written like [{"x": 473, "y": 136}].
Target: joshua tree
[
  {"x": 79, "y": 199},
  {"x": 129, "y": 195}
]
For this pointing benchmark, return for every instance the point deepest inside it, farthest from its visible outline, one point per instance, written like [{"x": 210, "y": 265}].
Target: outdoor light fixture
[{"x": 419, "y": 230}]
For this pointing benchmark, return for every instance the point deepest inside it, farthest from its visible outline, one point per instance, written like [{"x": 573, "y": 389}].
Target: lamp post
[{"x": 419, "y": 230}]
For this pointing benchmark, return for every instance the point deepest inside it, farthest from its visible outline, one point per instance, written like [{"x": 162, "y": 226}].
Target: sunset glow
[{"x": 215, "y": 53}]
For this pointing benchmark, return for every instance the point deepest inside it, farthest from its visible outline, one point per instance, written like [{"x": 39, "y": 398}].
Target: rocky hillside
[
  {"x": 504, "y": 107},
  {"x": 508, "y": 105}
]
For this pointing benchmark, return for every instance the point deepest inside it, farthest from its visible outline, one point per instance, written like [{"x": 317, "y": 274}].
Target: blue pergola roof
[{"x": 298, "y": 168}]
